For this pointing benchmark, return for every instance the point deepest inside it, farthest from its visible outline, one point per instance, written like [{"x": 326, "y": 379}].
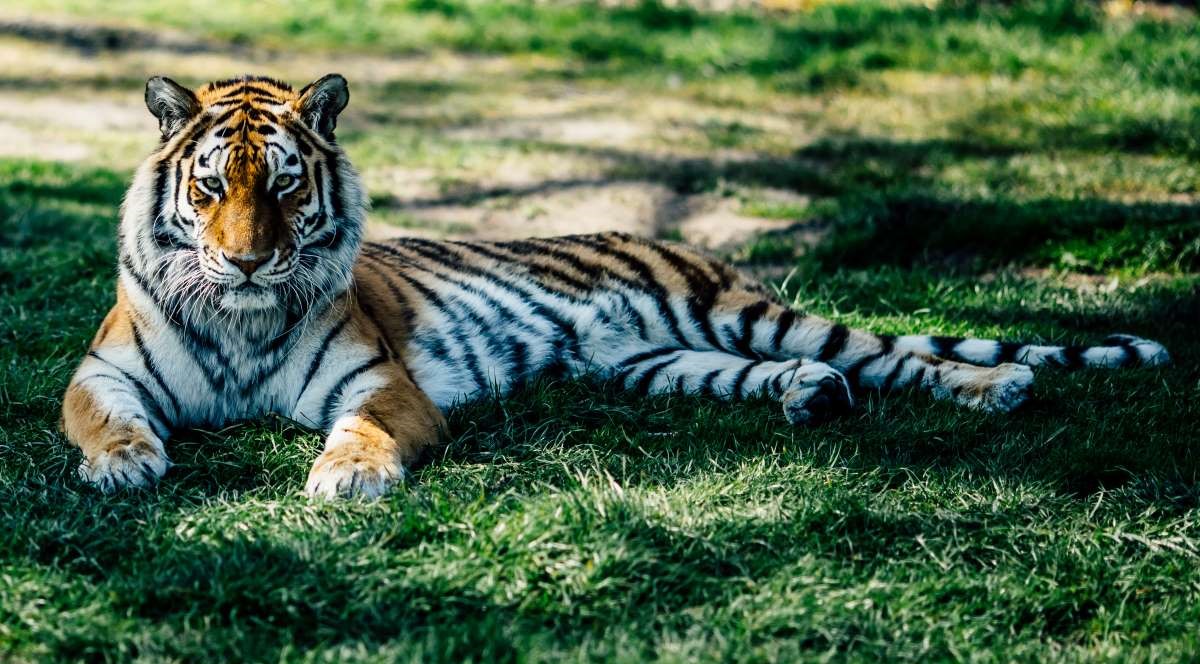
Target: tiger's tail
[{"x": 1116, "y": 351}]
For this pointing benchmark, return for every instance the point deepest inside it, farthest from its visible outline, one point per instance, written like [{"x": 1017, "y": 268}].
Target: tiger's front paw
[
  {"x": 818, "y": 393},
  {"x": 126, "y": 462},
  {"x": 351, "y": 470}
]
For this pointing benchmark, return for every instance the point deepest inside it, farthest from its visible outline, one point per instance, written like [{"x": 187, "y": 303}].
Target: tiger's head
[{"x": 248, "y": 204}]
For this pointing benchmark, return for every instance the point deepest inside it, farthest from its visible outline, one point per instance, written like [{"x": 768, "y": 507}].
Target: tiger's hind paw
[
  {"x": 817, "y": 394},
  {"x": 1002, "y": 389}
]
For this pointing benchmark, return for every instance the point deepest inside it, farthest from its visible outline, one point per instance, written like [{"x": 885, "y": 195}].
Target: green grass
[{"x": 1006, "y": 170}]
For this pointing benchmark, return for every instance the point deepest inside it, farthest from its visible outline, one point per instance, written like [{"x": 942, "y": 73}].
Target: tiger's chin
[{"x": 249, "y": 299}]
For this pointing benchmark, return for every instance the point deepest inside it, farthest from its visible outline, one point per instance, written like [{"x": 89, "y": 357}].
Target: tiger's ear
[
  {"x": 171, "y": 103},
  {"x": 320, "y": 102}
]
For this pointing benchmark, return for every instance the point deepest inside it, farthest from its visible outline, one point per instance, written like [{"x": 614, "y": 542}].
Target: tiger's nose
[{"x": 248, "y": 263}]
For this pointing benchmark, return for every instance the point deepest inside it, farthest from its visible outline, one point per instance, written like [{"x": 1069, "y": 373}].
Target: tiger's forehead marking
[
  {"x": 247, "y": 129},
  {"x": 250, "y": 89},
  {"x": 247, "y": 110}
]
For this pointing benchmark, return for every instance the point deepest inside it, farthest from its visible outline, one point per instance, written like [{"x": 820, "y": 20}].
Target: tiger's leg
[
  {"x": 810, "y": 392},
  {"x": 870, "y": 361},
  {"x": 378, "y": 421},
  {"x": 118, "y": 411},
  {"x": 759, "y": 327}
]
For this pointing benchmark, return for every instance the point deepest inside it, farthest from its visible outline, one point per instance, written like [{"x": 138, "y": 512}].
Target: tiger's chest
[{"x": 215, "y": 379}]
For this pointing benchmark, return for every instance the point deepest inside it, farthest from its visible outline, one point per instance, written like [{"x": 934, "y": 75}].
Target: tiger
[{"x": 245, "y": 287}]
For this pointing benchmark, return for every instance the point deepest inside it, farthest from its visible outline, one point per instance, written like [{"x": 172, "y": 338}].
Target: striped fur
[{"x": 244, "y": 289}]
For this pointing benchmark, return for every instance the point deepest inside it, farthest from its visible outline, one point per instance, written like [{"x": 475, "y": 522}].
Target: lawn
[{"x": 1015, "y": 170}]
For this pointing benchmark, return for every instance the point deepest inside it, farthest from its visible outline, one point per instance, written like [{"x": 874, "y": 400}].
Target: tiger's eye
[
  {"x": 284, "y": 181},
  {"x": 211, "y": 183}
]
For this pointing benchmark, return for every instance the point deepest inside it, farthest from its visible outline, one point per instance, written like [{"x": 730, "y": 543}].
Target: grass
[{"x": 1016, "y": 170}]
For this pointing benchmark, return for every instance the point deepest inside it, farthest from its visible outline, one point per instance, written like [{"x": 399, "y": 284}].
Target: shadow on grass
[
  {"x": 47, "y": 204},
  {"x": 890, "y": 214},
  {"x": 90, "y": 39}
]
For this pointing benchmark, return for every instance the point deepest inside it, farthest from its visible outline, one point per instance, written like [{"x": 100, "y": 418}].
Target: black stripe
[
  {"x": 161, "y": 170},
  {"x": 520, "y": 364},
  {"x": 1131, "y": 357},
  {"x": 332, "y": 160},
  {"x": 782, "y": 326},
  {"x": 747, "y": 317},
  {"x": 146, "y": 396},
  {"x": 702, "y": 291},
  {"x": 852, "y": 373},
  {"x": 646, "y": 355},
  {"x": 644, "y": 382},
  {"x": 178, "y": 187},
  {"x": 735, "y": 390},
  {"x": 187, "y": 145},
  {"x": 591, "y": 271},
  {"x": 894, "y": 374},
  {"x": 319, "y": 185},
  {"x": 887, "y": 343},
  {"x": 639, "y": 320},
  {"x": 920, "y": 375},
  {"x": 834, "y": 342},
  {"x": 246, "y": 90},
  {"x": 1007, "y": 351},
  {"x": 706, "y": 383},
  {"x": 319, "y": 356},
  {"x": 777, "y": 380},
  {"x": 944, "y": 346},
  {"x": 225, "y": 116},
  {"x": 1073, "y": 356},
  {"x": 152, "y": 368},
  {"x": 776, "y": 385},
  {"x": 335, "y": 393}
]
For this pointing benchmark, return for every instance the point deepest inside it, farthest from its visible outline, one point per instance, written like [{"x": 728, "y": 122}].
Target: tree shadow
[
  {"x": 45, "y": 204},
  {"x": 90, "y": 39},
  {"x": 891, "y": 213}
]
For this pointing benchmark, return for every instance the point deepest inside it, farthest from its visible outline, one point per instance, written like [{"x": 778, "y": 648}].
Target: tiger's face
[{"x": 256, "y": 203}]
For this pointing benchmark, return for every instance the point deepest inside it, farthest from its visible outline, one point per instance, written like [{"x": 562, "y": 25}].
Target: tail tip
[{"x": 1149, "y": 353}]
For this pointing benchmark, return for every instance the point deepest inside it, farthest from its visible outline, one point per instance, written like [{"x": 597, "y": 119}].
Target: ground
[{"x": 1015, "y": 170}]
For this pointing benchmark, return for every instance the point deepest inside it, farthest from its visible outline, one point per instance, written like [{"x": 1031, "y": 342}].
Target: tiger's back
[{"x": 482, "y": 317}]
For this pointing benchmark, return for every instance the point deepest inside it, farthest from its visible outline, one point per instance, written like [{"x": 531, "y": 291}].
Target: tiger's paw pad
[
  {"x": 1006, "y": 387},
  {"x": 346, "y": 472},
  {"x": 126, "y": 463},
  {"x": 818, "y": 393},
  {"x": 1149, "y": 353}
]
